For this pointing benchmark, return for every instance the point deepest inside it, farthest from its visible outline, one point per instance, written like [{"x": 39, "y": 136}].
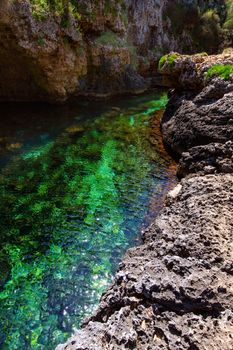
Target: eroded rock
[
  {"x": 201, "y": 113},
  {"x": 207, "y": 159},
  {"x": 175, "y": 291}
]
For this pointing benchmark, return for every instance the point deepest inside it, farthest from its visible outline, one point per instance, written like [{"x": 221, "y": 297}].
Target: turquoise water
[{"x": 78, "y": 183}]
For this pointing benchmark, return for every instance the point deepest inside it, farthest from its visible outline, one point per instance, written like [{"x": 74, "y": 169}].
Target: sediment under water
[{"x": 78, "y": 184}]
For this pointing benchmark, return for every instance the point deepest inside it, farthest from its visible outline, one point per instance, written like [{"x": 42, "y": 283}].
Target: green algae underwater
[{"x": 72, "y": 201}]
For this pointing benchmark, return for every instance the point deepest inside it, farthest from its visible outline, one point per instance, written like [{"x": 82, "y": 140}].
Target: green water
[{"x": 77, "y": 183}]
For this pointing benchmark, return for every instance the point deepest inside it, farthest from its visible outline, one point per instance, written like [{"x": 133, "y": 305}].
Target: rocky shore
[{"x": 176, "y": 290}]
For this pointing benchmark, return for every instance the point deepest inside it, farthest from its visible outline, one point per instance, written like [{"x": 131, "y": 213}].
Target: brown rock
[{"x": 47, "y": 60}]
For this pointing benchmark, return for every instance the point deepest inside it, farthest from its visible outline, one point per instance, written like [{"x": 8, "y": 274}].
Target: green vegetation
[
  {"x": 109, "y": 38},
  {"x": 109, "y": 8},
  {"x": 222, "y": 70},
  {"x": 202, "y": 23},
  {"x": 65, "y": 8},
  {"x": 69, "y": 208},
  {"x": 229, "y": 20},
  {"x": 169, "y": 59},
  {"x": 207, "y": 34},
  {"x": 41, "y": 9}
]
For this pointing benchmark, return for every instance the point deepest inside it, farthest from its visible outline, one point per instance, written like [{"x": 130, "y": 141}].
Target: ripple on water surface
[{"x": 78, "y": 184}]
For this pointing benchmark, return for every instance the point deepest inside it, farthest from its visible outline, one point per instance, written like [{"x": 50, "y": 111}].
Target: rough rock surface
[
  {"x": 111, "y": 48},
  {"x": 175, "y": 292},
  {"x": 207, "y": 159},
  {"x": 204, "y": 112}
]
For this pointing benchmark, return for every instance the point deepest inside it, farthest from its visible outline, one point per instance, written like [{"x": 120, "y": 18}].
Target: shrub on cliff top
[
  {"x": 169, "y": 59},
  {"x": 224, "y": 71}
]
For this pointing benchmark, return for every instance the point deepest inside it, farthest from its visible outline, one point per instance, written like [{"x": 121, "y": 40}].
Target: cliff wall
[{"x": 50, "y": 52}]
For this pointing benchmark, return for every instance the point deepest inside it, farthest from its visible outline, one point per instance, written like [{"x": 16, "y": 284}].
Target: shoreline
[{"x": 175, "y": 290}]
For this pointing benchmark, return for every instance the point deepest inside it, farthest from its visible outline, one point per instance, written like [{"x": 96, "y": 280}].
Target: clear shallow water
[{"x": 77, "y": 185}]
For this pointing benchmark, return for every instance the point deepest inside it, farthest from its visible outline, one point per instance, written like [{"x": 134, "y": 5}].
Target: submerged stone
[{"x": 73, "y": 199}]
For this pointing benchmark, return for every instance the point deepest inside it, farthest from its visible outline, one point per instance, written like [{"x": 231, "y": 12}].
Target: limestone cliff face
[
  {"x": 111, "y": 46},
  {"x": 38, "y": 59}
]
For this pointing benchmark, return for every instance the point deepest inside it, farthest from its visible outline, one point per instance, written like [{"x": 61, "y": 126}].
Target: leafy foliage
[
  {"x": 202, "y": 23},
  {"x": 65, "y": 8},
  {"x": 42, "y": 8},
  {"x": 222, "y": 70}
]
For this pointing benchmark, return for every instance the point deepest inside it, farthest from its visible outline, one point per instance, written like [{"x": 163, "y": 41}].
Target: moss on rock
[
  {"x": 169, "y": 59},
  {"x": 223, "y": 71}
]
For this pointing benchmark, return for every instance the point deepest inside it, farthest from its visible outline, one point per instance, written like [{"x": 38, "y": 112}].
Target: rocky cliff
[
  {"x": 176, "y": 290},
  {"x": 51, "y": 50}
]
